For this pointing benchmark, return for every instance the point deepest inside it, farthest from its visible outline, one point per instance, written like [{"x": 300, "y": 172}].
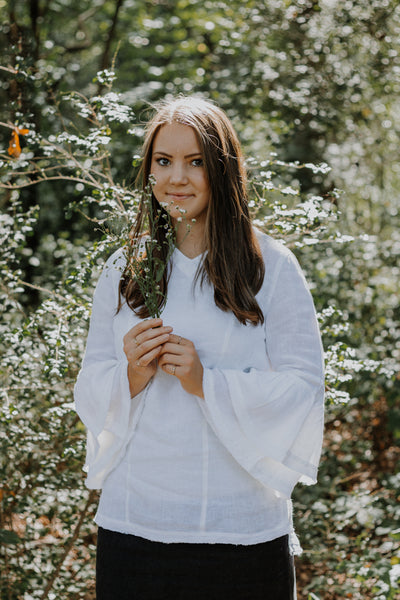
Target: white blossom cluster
[{"x": 107, "y": 108}]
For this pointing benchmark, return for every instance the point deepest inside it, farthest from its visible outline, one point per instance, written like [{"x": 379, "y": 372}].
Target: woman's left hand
[{"x": 179, "y": 357}]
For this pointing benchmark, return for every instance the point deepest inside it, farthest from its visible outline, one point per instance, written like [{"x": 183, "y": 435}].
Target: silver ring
[
  {"x": 173, "y": 369},
  {"x": 138, "y": 363}
]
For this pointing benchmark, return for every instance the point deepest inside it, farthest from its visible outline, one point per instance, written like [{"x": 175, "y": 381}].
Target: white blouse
[{"x": 176, "y": 468}]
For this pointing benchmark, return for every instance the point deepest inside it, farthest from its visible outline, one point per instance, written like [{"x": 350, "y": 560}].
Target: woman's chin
[{"x": 177, "y": 216}]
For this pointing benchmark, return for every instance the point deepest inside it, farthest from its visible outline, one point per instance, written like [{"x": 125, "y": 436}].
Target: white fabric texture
[{"x": 174, "y": 467}]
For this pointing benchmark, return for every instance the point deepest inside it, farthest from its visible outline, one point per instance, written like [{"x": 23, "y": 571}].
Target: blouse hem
[{"x": 195, "y": 537}]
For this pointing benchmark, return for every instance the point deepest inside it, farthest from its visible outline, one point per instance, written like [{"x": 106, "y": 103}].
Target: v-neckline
[{"x": 185, "y": 263}]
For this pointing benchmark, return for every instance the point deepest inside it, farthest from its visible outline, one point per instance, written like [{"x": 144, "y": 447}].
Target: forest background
[{"x": 313, "y": 90}]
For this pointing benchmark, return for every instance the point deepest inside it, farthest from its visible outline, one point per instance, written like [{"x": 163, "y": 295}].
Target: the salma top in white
[{"x": 177, "y": 468}]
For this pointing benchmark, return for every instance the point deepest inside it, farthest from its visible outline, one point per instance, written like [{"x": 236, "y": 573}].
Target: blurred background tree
[{"x": 306, "y": 81}]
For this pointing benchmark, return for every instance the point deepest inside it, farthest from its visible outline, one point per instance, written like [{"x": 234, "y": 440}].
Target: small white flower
[{"x": 394, "y": 575}]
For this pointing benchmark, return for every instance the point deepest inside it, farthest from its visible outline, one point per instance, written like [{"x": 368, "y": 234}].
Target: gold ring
[
  {"x": 173, "y": 369},
  {"x": 136, "y": 342}
]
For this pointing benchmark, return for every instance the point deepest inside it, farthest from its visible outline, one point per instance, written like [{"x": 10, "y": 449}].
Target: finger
[
  {"x": 154, "y": 333},
  {"x": 143, "y": 326},
  {"x": 179, "y": 340},
  {"x": 155, "y": 342},
  {"x": 136, "y": 351},
  {"x": 173, "y": 349},
  {"x": 146, "y": 359},
  {"x": 144, "y": 336},
  {"x": 171, "y": 359},
  {"x": 171, "y": 369},
  {"x": 148, "y": 324}
]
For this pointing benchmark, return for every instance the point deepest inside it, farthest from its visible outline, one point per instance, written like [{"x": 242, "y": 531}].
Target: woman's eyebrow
[{"x": 170, "y": 155}]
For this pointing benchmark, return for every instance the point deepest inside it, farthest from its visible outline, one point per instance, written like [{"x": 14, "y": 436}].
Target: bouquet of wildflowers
[{"x": 146, "y": 259}]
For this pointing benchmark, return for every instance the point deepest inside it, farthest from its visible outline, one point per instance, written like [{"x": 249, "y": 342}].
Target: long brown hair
[{"x": 233, "y": 263}]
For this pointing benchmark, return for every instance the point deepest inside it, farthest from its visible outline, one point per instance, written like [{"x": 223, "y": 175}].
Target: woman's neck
[{"x": 191, "y": 243}]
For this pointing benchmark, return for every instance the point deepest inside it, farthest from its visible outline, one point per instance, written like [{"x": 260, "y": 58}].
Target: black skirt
[{"x": 132, "y": 568}]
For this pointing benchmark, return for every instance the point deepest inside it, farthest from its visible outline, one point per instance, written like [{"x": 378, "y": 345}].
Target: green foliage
[{"x": 307, "y": 83}]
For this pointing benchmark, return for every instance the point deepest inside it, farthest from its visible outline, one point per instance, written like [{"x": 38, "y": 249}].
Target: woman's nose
[{"x": 178, "y": 173}]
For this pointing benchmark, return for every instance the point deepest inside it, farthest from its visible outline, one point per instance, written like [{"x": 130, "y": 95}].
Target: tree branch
[
  {"x": 69, "y": 545},
  {"x": 105, "y": 59},
  {"x": 20, "y": 186}
]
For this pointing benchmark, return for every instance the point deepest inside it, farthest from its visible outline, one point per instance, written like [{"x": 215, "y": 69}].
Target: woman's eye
[
  {"x": 197, "y": 162},
  {"x": 163, "y": 162}
]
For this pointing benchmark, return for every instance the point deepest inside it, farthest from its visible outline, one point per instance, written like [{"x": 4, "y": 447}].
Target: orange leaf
[{"x": 14, "y": 148}]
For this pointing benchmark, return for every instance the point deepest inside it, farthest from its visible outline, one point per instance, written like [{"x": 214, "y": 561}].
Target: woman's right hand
[{"x": 142, "y": 345}]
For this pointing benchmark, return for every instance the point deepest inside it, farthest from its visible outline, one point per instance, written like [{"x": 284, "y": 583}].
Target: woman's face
[{"x": 181, "y": 182}]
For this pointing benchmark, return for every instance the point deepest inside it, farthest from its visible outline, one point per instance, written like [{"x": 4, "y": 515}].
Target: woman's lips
[{"x": 179, "y": 196}]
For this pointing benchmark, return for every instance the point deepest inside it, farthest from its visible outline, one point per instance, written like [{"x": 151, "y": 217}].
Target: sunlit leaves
[{"x": 316, "y": 82}]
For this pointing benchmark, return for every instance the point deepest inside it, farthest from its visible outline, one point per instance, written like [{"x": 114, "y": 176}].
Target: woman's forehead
[{"x": 176, "y": 137}]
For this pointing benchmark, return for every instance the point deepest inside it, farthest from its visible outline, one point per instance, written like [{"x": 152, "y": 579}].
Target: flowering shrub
[{"x": 47, "y": 539}]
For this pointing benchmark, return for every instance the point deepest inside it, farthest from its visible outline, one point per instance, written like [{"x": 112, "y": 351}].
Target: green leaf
[
  {"x": 9, "y": 537},
  {"x": 160, "y": 268}
]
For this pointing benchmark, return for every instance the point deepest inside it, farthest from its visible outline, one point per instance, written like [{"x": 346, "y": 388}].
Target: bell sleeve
[
  {"x": 271, "y": 420},
  {"x": 101, "y": 393}
]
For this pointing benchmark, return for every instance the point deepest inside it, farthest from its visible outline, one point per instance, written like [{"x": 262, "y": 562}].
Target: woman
[{"x": 201, "y": 423}]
